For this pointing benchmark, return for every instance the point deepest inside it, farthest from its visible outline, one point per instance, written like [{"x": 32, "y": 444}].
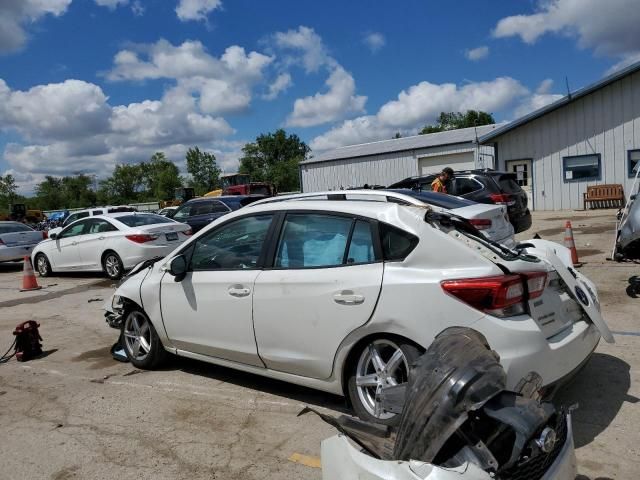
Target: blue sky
[{"x": 88, "y": 84}]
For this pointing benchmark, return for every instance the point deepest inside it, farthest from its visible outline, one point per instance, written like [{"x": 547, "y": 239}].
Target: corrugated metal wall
[
  {"x": 606, "y": 121},
  {"x": 377, "y": 169}
]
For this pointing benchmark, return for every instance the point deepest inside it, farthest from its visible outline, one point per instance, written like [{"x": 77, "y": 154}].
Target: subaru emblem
[
  {"x": 547, "y": 440},
  {"x": 582, "y": 296}
]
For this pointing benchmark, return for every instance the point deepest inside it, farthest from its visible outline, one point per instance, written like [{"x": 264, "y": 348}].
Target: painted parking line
[
  {"x": 634, "y": 334},
  {"x": 307, "y": 460}
]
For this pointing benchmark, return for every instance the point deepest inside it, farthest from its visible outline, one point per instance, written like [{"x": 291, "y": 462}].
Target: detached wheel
[
  {"x": 379, "y": 364},
  {"x": 141, "y": 342},
  {"x": 112, "y": 265},
  {"x": 42, "y": 265}
]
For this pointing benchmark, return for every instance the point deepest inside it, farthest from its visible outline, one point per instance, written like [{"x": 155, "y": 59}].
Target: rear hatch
[
  {"x": 509, "y": 186},
  {"x": 16, "y": 239}
]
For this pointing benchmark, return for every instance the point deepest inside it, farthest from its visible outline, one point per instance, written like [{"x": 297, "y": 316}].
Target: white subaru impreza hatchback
[{"x": 343, "y": 296}]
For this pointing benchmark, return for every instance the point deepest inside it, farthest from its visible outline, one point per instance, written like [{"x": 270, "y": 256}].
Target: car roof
[{"x": 336, "y": 193}]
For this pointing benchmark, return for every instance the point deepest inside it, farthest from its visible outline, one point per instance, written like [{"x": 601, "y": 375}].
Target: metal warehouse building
[
  {"x": 589, "y": 137},
  {"x": 388, "y": 161}
]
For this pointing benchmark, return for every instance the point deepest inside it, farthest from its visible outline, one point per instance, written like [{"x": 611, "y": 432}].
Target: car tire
[
  {"x": 112, "y": 265},
  {"x": 43, "y": 267},
  {"x": 365, "y": 378},
  {"x": 141, "y": 342}
]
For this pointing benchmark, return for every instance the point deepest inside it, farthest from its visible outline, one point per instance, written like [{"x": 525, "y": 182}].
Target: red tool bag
[{"x": 27, "y": 341}]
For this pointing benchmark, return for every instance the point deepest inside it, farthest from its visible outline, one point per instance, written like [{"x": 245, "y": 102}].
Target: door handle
[
  {"x": 74, "y": 243},
  {"x": 348, "y": 297},
  {"x": 100, "y": 238},
  {"x": 238, "y": 291}
]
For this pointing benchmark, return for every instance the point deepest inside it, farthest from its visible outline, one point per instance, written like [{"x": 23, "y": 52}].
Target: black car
[
  {"x": 482, "y": 186},
  {"x": 200, "y": 212}
]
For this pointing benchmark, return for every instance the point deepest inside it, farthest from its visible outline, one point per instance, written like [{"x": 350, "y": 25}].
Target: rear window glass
[
  {"x": 13, "y": 227},
  {"x": 508, "y": 184},
  {"x": 441, "y": 200},
  {"x": 396, "y": 243},
  {"x": 140, "y": 220}
]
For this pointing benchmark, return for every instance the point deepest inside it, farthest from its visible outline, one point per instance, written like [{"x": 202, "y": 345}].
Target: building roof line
[{"x": 567, "y": 99}]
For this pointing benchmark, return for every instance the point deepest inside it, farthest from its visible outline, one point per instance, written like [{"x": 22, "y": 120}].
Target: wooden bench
[{"x": 604, "y": 196}]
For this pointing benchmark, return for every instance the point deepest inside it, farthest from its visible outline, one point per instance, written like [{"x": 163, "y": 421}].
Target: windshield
[
  {"x": 140, "y": 220},
  {"x": 13, "y": 227},
  {"x": 437, "y": 199}
]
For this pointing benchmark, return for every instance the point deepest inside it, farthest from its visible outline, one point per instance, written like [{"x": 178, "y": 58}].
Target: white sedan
[
  {"x": 343, "y": 297},
  {"x": 110, "y": 243}
]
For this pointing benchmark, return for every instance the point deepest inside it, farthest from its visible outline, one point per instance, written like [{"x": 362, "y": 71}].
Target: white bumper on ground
[{"x": 341, "y": 460}]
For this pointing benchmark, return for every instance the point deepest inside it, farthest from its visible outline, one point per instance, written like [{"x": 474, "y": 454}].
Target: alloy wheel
[
  {"x": 137, "y": 335},
  {"x": 41, "y": 265},
  {"x": 382, "y": 364},
  {"x": 112, "y": 266}
]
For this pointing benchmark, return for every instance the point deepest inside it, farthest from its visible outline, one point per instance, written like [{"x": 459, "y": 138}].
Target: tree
[
  {"x": 455, "y": 120},
  {"x": 124, "y": 185},
  {"x": 161, "y": 177},
  {"x": 49, "y": 193},
  {"x": 274, "y": 157},
  {"x": 203, "y": 170},
  {"x": 8, "y": 189}
]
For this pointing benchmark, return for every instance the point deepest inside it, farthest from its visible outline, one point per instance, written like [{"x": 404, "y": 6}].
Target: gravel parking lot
[{"x": 77, "y": 413}]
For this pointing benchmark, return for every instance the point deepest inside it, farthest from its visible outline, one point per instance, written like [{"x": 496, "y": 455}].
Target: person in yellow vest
[{"x": 442, "y": 180}]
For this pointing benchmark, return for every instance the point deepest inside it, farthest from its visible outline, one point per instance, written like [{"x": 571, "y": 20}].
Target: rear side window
[
  {"x": 464, "y": 186},
  {"x": 396, "y": 243},
  {"x": 206, "y": 208},
  {"x": 140, "y": 220},
  {"x": 508, "y": 184},
  {"x": 361, "y": 246}
]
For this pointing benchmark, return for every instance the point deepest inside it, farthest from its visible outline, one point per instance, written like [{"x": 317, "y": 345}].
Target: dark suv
[
  {"x": 483, "y": 186},
  {"x": 200, "y": 212}
]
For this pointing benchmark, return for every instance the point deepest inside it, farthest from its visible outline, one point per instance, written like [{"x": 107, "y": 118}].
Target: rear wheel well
[
  {"x": 355, "y": 351},
  {"x": 104, "y": 254}
]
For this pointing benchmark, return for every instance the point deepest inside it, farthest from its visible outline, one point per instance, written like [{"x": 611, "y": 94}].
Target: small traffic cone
[
  {"x": 29, "y": 281},
  {"x": 569, "y": 243}
]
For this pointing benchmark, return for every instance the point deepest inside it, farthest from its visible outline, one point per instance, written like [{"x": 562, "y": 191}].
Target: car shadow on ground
[
  {"x": 584, "y": 477},
  {"x": 303, "y": 395},
  {"x": 11, "y": 267},
  {"x": 599, "y": 389}
]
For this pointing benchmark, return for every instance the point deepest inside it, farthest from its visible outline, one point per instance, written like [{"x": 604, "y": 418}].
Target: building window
[
  {"x": 633, "y": 162},
  {"x": 581, "y": 168}
]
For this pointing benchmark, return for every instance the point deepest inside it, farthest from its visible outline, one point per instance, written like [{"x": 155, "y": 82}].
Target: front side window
[
  {"x": 183, "y": 212},
  {"x": 73, "y": 230},
  {"x": 234, "y": 246},
  {"x": 205, "y": 208},
  {"x": 581, "y": 168},
  {"x": 313, "y": 240},
  {"x": 633, "y": 162}
]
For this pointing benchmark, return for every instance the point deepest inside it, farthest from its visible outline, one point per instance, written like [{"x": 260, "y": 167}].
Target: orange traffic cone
[
  {"x": 29, "y": 281},
  {"x": 569, "y": 243}
]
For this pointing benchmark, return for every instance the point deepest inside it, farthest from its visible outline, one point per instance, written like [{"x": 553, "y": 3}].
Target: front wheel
[
  {"x": 141, "y": 342},
  {"x": 42, "y": 265},
  {"x": 381, "y": 363},
  {"x": 112, "y": 265}
]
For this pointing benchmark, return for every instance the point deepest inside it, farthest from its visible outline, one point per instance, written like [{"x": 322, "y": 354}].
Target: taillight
[
  {"x": 502, "y": 199},
  {"x": 1, "y": 242},
  {"x": 188, "y": 232},
  {"x": 500, "y": 295},
  {"x": 480, "y": 223},
  {"x": 45, "y": 235},
  {"x": 141, "y": 238}
]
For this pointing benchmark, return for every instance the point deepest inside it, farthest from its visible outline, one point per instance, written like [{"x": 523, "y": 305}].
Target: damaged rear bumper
[{"x": 342, "y": 460}]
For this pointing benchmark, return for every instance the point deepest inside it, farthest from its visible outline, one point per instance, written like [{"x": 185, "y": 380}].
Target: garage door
[{"x": 457, "y": 161}]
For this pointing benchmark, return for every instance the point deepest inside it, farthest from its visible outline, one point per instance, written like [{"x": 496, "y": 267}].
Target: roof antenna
[{"x": 566, "y": 81}]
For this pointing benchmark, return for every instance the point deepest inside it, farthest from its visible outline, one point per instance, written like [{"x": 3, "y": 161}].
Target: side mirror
[
  {"x": 53, "y": 236},
  {"x": 178, "y": 268}
]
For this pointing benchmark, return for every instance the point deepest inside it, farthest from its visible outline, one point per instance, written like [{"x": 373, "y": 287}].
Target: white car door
[
  {"x": 66, "y": 254},
  {"x": 325, "y": 282},
  {"x": 92, "y": 243},
  {"x": 209, "y": 311}
]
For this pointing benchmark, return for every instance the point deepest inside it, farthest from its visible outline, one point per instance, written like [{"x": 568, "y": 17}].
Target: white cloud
[
  {"x": 541, "y": 98},
  {"x": 335, "y": 104},
  {"x": 196, "y": 9},
  {"x": 307, "y": 42},
  {"x": 374, "y": 41},
  {"x": 280, "y": 84},
  {"x": 610, "y": 28},
  {"x": 15, "y": 14},
  {"x": 137, "y": 8},
  {"x": 421, "y": 104},
  {"x": 478, "y": 53},
  {"x": 111, "y": 4},
  {"x": 224, "y": 84},
  {"x": 626, "y": 60},
  {"x": 70, "y": 126}
]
